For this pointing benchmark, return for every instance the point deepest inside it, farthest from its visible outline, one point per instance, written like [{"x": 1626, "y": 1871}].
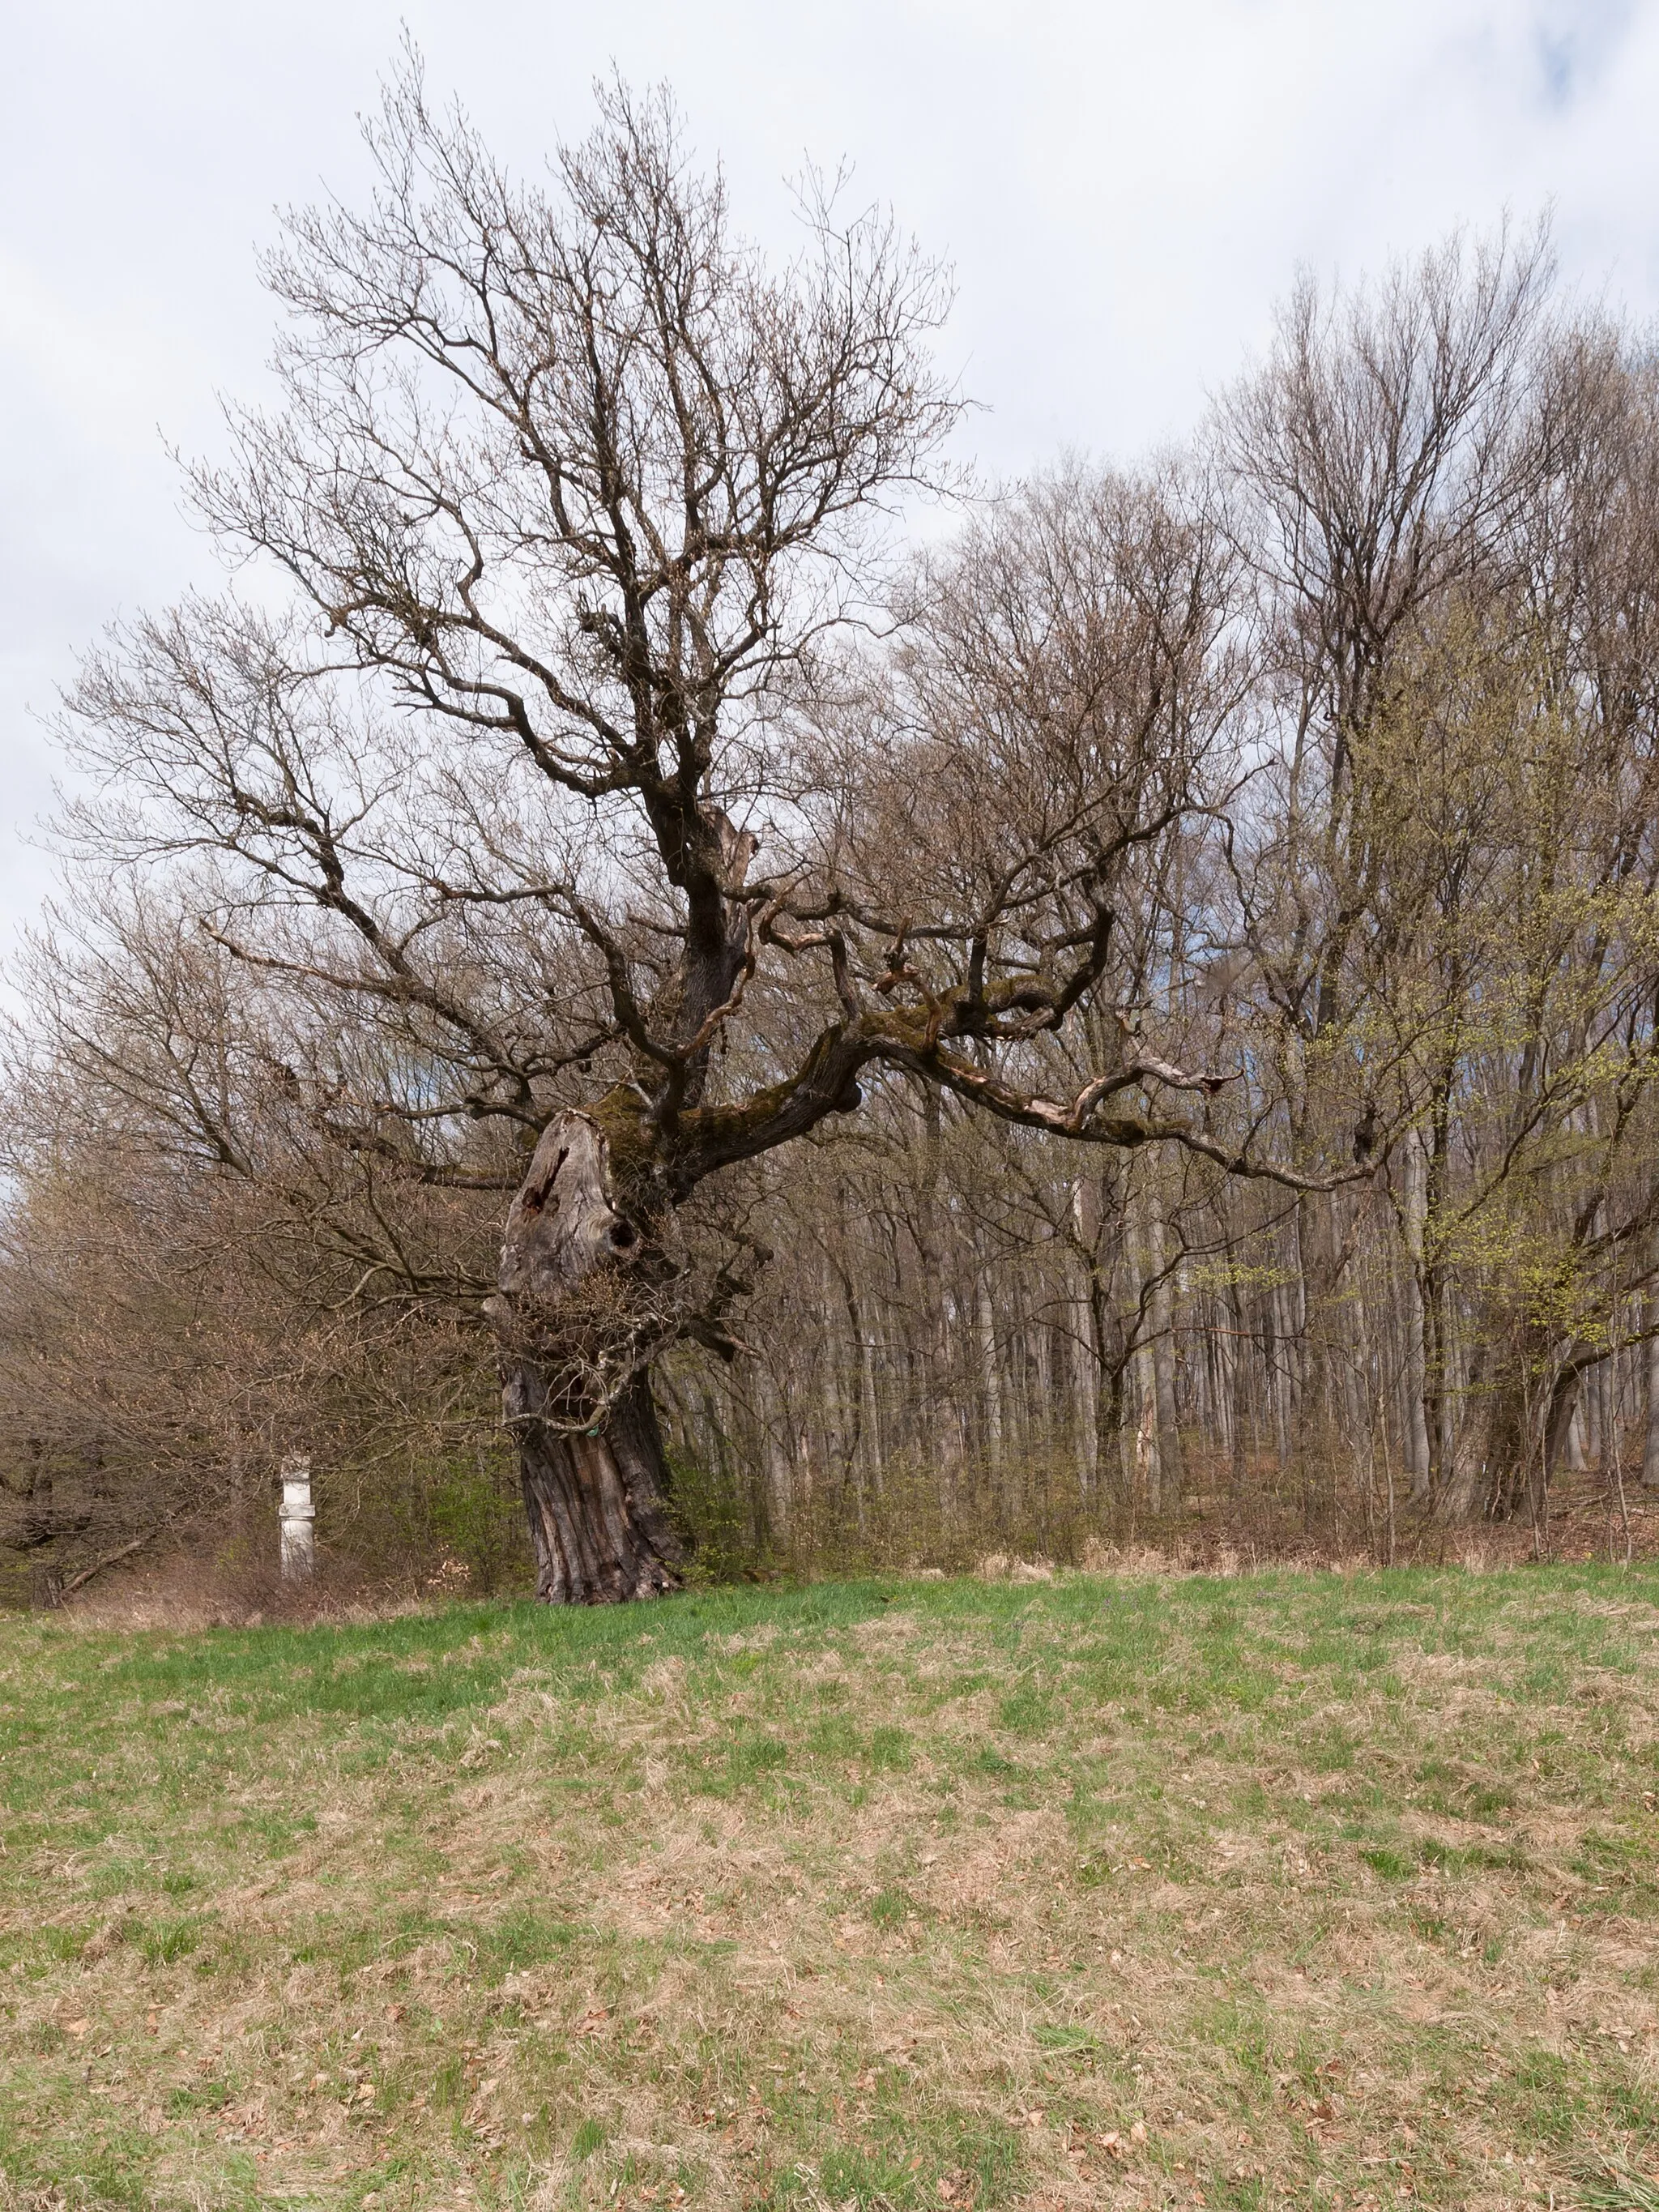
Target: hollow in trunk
[{"x": 572, "y": 1318}]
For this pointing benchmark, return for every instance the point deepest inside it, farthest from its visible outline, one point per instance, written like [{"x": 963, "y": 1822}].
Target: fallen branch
[{"x": 109, "y": 1559}]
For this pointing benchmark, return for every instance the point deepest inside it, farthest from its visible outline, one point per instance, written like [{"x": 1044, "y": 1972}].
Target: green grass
[{"x": 1288, "y": 1890}]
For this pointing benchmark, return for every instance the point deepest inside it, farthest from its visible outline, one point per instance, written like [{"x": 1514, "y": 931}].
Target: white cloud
[{"x": 1124, "y": 190}]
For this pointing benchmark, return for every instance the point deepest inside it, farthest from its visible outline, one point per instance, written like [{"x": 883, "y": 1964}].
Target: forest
[{"x": 664, "y": 954}]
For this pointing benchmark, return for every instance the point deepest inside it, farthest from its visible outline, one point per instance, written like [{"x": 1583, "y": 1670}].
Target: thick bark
[
  {"x": 576, "y": 1389},
  {"x": 595, "y": 1503}
]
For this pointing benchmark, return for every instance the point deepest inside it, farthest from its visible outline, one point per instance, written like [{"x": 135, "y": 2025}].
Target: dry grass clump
[{"x": 1271, "y": 1890}]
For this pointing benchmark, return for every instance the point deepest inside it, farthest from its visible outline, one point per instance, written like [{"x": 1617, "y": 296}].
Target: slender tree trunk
[
  {"x": 1238, "y": 1346},
  {"x": 1415, "y": 1380},
  {"x": 990, "y": 1374},
  {"x": 1567, "y": 1450},
  {"x": 1170, "y": 1466},
  {"x": 1084, "y": 1364},
  {"x": 1563, "y": 1433},
  {"x": 1591, "y": 1403},
  {"x": 779, "y": 1473},
  {"x": 1143, "y": 1473},
  {"x": 1279, "y": 1339},
  {"x": 1435, "y": 1403},
  {"x": 1109, "y": 1471}
]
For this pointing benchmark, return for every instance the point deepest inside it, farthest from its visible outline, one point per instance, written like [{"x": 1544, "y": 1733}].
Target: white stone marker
[{"x": 298, "y": 1517}]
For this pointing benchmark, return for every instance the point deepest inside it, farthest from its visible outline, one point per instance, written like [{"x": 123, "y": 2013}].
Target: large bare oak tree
[{"x": 598, "y": 803}]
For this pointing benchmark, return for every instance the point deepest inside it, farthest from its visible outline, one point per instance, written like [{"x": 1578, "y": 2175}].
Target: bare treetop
[{"x": 574, "y": 464}]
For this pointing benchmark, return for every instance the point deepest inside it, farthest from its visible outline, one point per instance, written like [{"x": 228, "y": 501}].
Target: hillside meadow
[{"x": 1285, "y": 1889}]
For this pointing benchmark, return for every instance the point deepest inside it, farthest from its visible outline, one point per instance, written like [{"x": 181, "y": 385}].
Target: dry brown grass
[{"x": 1275, "y": 1891}]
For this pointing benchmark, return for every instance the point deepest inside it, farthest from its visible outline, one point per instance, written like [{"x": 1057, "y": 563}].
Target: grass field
[{"x": 1281, "y": 1890}]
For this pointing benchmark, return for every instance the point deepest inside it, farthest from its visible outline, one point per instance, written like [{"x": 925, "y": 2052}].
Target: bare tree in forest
[{"x": 579, "y": 861}]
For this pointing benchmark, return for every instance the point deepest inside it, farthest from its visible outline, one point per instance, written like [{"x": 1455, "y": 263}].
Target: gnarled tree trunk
[{"x": 576, "y": 1392}]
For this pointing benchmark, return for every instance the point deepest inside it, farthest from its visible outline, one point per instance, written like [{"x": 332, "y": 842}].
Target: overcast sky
[{"x": 1124, "y": 190}]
